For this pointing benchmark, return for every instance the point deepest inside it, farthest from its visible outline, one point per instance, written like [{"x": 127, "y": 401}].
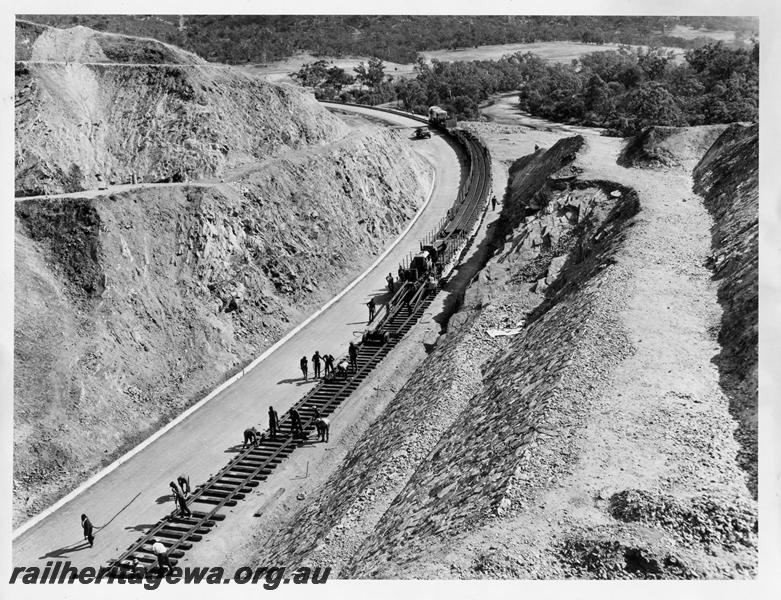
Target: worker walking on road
[
  {"x": 372, "y": 308},
  {"x": 352, "y": 350},
  {"x": 86, "y": 525},
  {"x": 273, "y": 422},
  {"x": 389, "y": 279},
  {"x": 493, "y": 202},
  {"x": 316, "y": 363},
  {"x": 305, "y": 368}
]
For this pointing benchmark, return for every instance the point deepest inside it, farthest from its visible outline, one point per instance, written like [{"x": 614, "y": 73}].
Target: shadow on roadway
[
  {"x": 142, "y": 527},
  {"x": 81, "y": 545},
  {"x": 297, "y": 380},
  {"x": 65, "y": 551}
]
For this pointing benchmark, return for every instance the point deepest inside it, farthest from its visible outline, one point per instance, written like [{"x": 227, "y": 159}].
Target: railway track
[{"x": 254, "y": 464}]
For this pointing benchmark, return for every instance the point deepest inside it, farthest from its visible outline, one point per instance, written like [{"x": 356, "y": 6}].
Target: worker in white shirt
[{"x": 162, "y": 556}]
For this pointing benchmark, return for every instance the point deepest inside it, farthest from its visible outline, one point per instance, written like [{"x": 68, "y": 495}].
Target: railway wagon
[{"x": 438, "y": 117}]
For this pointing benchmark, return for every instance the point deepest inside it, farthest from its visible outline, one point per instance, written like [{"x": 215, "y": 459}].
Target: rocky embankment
[
  {"x": 571, "y": 422},
  {"x": 129, "y": 306},
  {"x": 727, "y": 178},
  {"x": 88, "y": 113},
  {"x": 668, "y": 147},
  {"x": 559, "y": 223}
]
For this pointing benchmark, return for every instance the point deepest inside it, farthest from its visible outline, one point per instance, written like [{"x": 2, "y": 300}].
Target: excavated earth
[
  {"x": 589, "y": 411},
  {"x": 131, "y": 304}
]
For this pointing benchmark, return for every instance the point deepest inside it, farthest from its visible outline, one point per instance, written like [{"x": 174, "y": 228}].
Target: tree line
[
  {"x": 628, "y": 90},
  {"x": 398, "y": 38},
  {"x": 624, "y": 90}
]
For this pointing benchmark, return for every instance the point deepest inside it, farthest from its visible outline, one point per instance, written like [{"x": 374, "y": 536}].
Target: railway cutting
[{"x": 420, "y": 278}]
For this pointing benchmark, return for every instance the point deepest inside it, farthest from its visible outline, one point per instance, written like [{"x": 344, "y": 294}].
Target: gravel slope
[{"x": 597, "y": 443}]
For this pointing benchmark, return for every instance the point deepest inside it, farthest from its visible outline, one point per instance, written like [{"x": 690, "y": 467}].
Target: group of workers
[
  {"x": 181, "y": 487},
  {"x": 318, "y": 361},
  {"x": 327, "y": 361},
  {"x": 252, "y": 436}
]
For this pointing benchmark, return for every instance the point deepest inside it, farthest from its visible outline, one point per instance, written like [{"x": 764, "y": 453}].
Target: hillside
[
  {"x": 594, "y": 439},
  {"x": 727, "y": 178},
  {"x": 94, "y": 107},
  {"x": 130, "y": 304}
]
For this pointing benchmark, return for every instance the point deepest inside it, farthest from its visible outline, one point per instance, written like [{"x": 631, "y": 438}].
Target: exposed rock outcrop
[
  {"x": 665, "y": 147},
  {"x": 89, "y": 114},
  {"x": 727, "y": 177}
]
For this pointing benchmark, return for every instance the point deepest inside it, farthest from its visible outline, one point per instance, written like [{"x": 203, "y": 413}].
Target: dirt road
[{"x": 125, "y": 501}]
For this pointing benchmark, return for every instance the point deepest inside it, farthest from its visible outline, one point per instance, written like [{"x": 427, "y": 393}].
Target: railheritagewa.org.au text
[{"x": 270, "y": 578}]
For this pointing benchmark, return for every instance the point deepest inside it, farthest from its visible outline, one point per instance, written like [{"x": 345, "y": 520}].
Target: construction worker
[
  {"x": 316, "y": 363},
  {"x": 161, "y": 554},
  {"x": 493, "y": 202},
  {"x": 273, "y": 422},
  {"x": 352, "y": 350},
  {"x": 323, "y": 426},
  {"x": 329, "y": 364},
  {"x": 86, "y": 525},
  {"x": 184, "y": 484},
  {"x": 341, "y": 369},
  {"x": 305, "y": 368},
  {"x": 401, "y": 274},
  {"x": 251, "y": 436},
  {"x": 372, "y": 308},
  {"x": 389, "y": 279},
  {"x": 295, "y": 423},
  {"x": 180, "y": 501}
]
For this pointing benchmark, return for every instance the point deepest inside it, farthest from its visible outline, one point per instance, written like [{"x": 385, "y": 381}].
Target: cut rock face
[
  {"x": 130, "y": 305},
  {"x": 82, "y": 126}
]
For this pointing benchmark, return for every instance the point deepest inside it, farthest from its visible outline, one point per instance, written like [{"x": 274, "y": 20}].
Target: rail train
[
  {"x": 423, "y": 273},
  {"x": 438, "y": 117}
]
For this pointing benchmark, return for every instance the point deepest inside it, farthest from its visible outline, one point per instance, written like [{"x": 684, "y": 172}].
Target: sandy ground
[
  {"x": 656, "y": 420},
  {"x": 127, "y": 500}
]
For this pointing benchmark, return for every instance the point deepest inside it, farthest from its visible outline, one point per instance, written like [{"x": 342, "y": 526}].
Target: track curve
[{"x": 249, "y": 468}]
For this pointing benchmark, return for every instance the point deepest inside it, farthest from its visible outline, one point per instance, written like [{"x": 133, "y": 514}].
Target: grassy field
[
  {"x": 689, "y": 33},
  {"x": 559, "y": 52}
]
